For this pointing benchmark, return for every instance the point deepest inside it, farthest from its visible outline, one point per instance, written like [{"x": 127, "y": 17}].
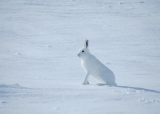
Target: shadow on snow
[{"x": 137, "y": 88}]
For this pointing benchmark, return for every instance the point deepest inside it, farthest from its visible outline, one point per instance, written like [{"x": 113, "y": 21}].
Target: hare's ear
[{"x": 86, "y": 43}]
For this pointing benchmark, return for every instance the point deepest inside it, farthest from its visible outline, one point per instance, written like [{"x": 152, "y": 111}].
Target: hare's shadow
[{"x": 137, "y": 88}]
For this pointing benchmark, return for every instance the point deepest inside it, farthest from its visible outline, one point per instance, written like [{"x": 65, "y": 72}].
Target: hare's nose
[{"x": 78, "y": 54}]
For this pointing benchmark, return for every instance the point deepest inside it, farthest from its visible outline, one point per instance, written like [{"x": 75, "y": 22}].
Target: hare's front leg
[{"x": 86, "y": 79}]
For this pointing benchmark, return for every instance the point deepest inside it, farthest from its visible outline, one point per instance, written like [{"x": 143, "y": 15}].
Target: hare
[{"x": 95, "y": 68}]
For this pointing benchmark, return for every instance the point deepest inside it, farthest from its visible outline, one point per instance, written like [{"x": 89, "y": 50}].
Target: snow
[{"x": 40, "y": 71}]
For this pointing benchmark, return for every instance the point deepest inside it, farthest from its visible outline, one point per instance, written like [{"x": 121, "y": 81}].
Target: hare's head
[{"x": 84, "y": 52}]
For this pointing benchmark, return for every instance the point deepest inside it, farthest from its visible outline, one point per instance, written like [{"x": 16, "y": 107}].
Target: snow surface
[{"x": 40, "y": 72}]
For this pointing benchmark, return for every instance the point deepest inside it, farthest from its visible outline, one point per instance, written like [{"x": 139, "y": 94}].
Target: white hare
[{"x": 95, "y": 68}]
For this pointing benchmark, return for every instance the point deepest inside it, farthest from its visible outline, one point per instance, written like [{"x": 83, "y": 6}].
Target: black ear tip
[{"x": 86, "y": 42}]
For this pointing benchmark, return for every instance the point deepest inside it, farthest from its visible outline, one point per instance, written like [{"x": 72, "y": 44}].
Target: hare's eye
[{"x": 83, "y": 51}]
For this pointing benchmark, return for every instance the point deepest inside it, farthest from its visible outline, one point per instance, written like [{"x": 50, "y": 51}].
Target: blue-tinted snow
[{"x": 41, "y": 73}]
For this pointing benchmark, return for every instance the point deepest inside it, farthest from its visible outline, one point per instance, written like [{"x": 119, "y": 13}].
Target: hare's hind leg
[{"x": 100, "y": 84}]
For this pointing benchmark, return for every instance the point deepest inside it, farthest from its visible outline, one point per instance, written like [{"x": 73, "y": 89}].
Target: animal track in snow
[
  {"x": 130, "y": 90},
  {"x": 3, "y": 102},
  {"x": 148, "y": 100}
]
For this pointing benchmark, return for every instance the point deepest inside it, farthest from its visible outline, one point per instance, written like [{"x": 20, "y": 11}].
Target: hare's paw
[
  {"x": 85, "y": 83},
  {"x": 101, "y": 84}
]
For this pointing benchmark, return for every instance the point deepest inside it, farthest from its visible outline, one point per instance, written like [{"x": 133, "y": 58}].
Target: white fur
[{"x": 95, "y": 68}]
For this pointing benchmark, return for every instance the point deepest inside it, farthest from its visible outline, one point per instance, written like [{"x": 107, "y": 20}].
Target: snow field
[{"x": 41, "y": 73}]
